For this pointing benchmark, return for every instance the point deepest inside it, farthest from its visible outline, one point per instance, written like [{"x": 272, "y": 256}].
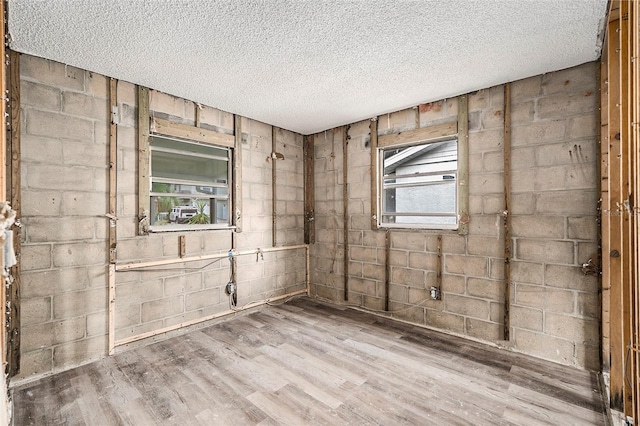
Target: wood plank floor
[{"x": 310, "y": 363}]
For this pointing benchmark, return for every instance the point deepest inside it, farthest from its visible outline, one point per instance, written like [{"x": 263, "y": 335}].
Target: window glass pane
[
  {"x": 192, "y": 147},
  {"x": 419, "y": 185},
  {"x": 183, "y": 167},
  {"x": 218, "y": 190},
  {"x": 192, "y": 211}
]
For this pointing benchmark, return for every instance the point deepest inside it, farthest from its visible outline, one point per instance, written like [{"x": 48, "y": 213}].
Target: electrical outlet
[{"x": 231, "y": 288}]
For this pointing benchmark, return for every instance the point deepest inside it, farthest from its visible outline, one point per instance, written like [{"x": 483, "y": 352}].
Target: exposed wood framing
[
  {"x": 274, "y": 198},
  {"x": 619, "y": 211},
  {"x": 387, "y": 267},
  {"x": 417, "y": 110},
  {"x": 15, "y": 184},
  {"x": 422, "y": 134},
  {"x": 182, "y": 246},
  {"x": 373, "y": 136},
  {"x": 463, "y": 164},
  {"x": 113, "y": 192},
  {"x": 236, "y": 195},
  {"x": 4, "y": 137},
  {"x": 169, "y": 128},
  {"x": 507, "y": 212},
  {"x": 113, "y": 169},
  {"x": 345, "y": 207},
  {"x": 198, "y": 113},
  {"x": 439, "y": 265},
  {"x": 309, "y": 195},
  {"x": 144, "y": 203}
]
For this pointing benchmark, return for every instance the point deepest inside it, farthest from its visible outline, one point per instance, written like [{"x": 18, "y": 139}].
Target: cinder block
[
  {"x": 49, "y": 124},
  {"x": 398, "y": 258},
  {"x": 486, "y": 183},
  {"x": 35, "y": 256},
  {"x": 479, "y": 100},
  {"x": 373, "y": 271},
  {"x": 524, "y": 180},
  {"x": 485, "y": 141},
  {"x": 53, "y": 177},
  {"x": 547, "y": 251},
  {"x": 473, "y": 266},
  {"x": 408, "y": 241},
  {"x": 37, "y": 336},
  {"x": 363, "y": 286},
  {"x": 422, "y": 260},
  {"x": 492, "y": 117},
  {"x": 522, "y": 112},
  {"x": 569, "y": 277},
  {"x": 579, "y": 330},
  {"x": 523, "y": 158},
  {"x": 587, "y": 305},
  {"x": 485, "y": 330},
  {"x": 139, "y": 291},
  {"x": 80, "y": 351},
  {"x": 453, "y": 284},
  {"x": 567, "y": 202},
  {"x": 526, "y": 318},
  {"x": 164, "y": 103},
  {"x": 582, "y": 77},
  {"x": 496, "y": 268},
  {"x": 485, "y": 246},
  {"x": 523, "y": 203},
  {"x": 532, "y": 296},
  {"x": 570, "y": 153},
  {"x": 158, "y": 309},
  {"x": 48, "y": 282},
  {"x": 560, "y": 301},
  {"x": 581, "y": 176},
  {"x": 583, "y": 126},
  {"x": 36, "y": 362},
  {"x": 41, "y": 203},
  {"x": 539, "y": 133},
  {"x": 410, "y": 277},
  {"x": 414, "y": 314},
  {"x": 551, "y": 227},
  {"x": 543, "y": 346},
  {"x": 77, "y": 303},
  {"x": 51, "y": 73},
  {"x": 139, "y": 248},
  {"x": 70, "y": 329},
  {"x": 97, "y": 324},
  {"x": 79, "y": 254},
  {"x": 39, "y": 96},
  {"x": 96, "y": 84},
  {"x": 59, "y": 229},
  {"x": 588, "y": 357},
  {"x": 445, "y": 321},
  {"x": 86, "y": 106},
  {"x": 466, "y": 306},
  {"x": 485, "y": 289},
  {"x": 83, "y": 154},
  {"x": 451, "y": 244},
  {"x": 182, "y": 284},
  {"x": 563, "y": 104},
  {"x": 489, "y": 225},
  {"x": 525, "y": 89},
  {"x": 398, "y": 293},
  {"x": 84, "y": 203},
  {"x": 35, "y": 310},
  {"x": 201, "y": 299}
]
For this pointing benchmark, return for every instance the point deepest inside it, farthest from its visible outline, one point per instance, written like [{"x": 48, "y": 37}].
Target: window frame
[
  {"x": 381, "y": 177},
  {"x": 229, "y": 184},
  {"x": 433, "y": 133}
]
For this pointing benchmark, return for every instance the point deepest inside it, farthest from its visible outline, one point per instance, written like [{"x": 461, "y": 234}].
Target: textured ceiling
[{"x": 308, "y": 66}]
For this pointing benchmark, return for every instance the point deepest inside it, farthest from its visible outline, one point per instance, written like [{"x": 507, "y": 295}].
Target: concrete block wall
[
  {"x": 554, "y": 308},
  {"x": 65, "y": 122}
]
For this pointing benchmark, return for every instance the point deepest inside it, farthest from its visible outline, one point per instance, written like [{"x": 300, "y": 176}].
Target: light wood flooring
[{"x": 310, "y": 363}]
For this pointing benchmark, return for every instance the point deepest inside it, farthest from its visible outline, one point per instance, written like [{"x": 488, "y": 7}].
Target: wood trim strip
[
  {"x": 463, "y": 165},
  {"x": 417, "y": 135},
  {"x": 507, "y": 212},
  {"x": 309, "y": 194},
  {"x": 237, "y": 174},
  {"x": 345, "y": 207},
  {"x": 113, "y": 168},
  {"x": 387, "y": 268},
  {"x": 144, "y": 204},
  {"x": 184, "y": 131},
  {"x": 14, "y": 298},
  {"x": 274, "y": 189},
  {"x": 373, "y": 140}
]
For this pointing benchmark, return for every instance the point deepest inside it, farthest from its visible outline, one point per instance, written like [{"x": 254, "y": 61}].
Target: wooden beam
[
  {"x": 16, "y": 203},
  {"x": 345, "y": 207},
  {"x": 436, "y": 131},
  {"x": 113, "y": 169},
  {"x": 144, "y": 203},
  {"x": 463, "y": 165},
  {"x": 237, "y": 174},
  {"x": 274, "y": 192},
  {"x": 507, "y": 212},
  {"x": 184, "y": 131},
  {"x": 373, "y": 140},
  {"x": 309, "y": 194},
  {"x": 387, "y": 268}
]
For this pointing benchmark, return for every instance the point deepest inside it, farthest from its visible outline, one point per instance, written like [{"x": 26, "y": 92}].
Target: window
[
  {"x": 418, "y": 185},
  {"x": 190, "y": 184}
]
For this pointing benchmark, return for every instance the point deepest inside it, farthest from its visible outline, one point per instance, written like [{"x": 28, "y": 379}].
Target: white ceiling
[{"x": 310, "y": 65}]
